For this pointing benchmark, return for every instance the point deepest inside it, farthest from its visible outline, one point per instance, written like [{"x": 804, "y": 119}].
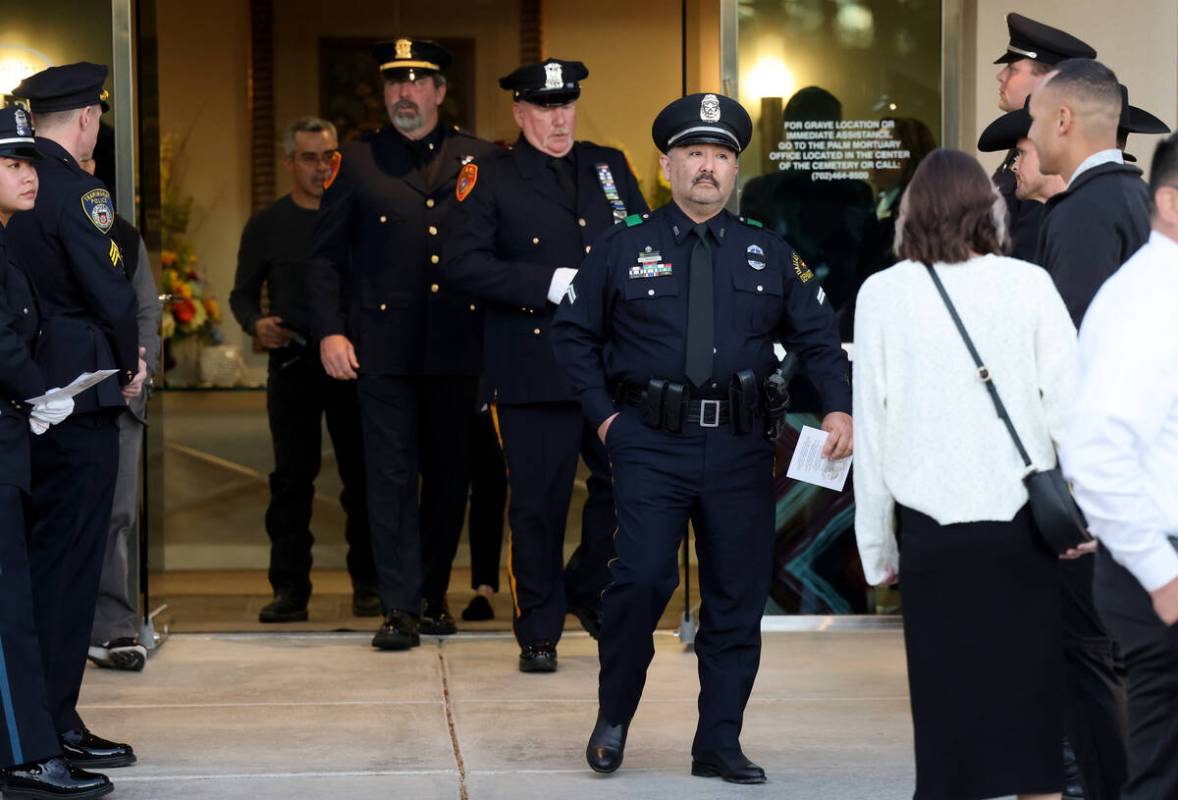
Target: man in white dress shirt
[{"x": 1121, "y": 452}]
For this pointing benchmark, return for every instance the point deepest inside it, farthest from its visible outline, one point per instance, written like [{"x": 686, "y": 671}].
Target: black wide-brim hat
[
  {"x": 703, "y": 118},
  {"x": 405, "y": 58},
  {"x": 16, "y": 134},
  {"x": 551, "y": 82},
  {"x": 1005, "y": 132},
  {"x": 1039, "y": 42},
  {"x": 65, "y": 88}
]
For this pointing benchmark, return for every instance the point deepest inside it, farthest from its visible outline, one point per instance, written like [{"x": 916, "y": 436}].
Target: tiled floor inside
[{"x": 294, "y": 716}]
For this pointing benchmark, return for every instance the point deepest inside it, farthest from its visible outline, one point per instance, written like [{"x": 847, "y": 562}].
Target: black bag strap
[{"x": 983, "y": 372}]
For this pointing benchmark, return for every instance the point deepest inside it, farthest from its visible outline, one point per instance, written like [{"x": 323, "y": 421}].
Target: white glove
[
  {"x": 50, "y": 413},
  {"x": 560, "y": 284}
]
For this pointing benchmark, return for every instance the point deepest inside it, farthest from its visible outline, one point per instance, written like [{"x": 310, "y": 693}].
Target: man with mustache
[
  {"x": 412, "y": 346},
  {"x": 666, "y": 336},
  {"x": 524, "y": 222}
]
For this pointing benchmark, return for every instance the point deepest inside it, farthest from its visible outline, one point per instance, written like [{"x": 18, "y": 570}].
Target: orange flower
[
  {"x": 213, "y": 309},
  {"x": 168, "y": 258}
]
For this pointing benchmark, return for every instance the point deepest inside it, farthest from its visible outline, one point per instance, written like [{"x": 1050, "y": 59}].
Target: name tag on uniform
[{"x": 650, "y": 265}]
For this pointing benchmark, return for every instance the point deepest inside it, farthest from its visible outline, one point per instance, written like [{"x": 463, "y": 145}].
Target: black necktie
[
  {"x": 700, "y": 310},
  {"x": 565, "y": 178}
]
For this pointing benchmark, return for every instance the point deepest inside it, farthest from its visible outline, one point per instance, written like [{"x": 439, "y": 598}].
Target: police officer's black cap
[
  {"x": 1039, "y": 42},
  {"x": 16, "y": 134},
  {"x": 551, "y": 82},
  {"x": 702, "y": 119},
  {"x": 407, "y": 59},
  {"x": 1004, "y": 133},
  {"x": 65, "y": 88}
]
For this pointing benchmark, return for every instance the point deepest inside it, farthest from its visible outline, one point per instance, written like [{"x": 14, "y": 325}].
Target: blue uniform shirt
[{"x": 625, "y": 316}]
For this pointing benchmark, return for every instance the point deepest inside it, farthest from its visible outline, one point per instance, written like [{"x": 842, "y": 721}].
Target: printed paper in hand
[
  {"x": 78, "y": 385},
  {"x": 809, "y": 466}
]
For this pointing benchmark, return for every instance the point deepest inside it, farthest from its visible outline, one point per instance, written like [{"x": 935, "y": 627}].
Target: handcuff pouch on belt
[
  {"x": 651, "y": 408},
  {"x": 743, "y": 401},
  {"x": 674, "y": 404}
]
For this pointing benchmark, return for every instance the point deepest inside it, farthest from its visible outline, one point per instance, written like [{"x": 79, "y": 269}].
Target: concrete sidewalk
[{"x": 322, "y": 715}]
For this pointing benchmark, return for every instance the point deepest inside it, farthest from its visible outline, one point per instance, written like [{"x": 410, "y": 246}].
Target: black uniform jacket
[
  {"x": 626, "y": 316},
  {"x": 378, "y": 238},
  {"x": 510, "y": 234},
  {"x": 20, "y": 377},
  {"x": 1090, "y": 230},
  {"x": 87, "y": 304}
]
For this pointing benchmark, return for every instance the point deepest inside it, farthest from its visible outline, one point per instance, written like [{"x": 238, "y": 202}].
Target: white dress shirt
[
  {"x": 1121, "y": 447},
  {"x": 926, "y": 432},
  {"x": 1110, "y": 156}
]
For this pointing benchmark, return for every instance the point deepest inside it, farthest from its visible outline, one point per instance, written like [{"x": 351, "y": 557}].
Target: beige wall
[{"x": 1137, "y": 39}]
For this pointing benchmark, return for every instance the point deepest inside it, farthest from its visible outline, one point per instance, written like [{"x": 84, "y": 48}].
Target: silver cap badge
[
  {"x": 709, "y": 108},
  {"x": 554, "y": 76}
]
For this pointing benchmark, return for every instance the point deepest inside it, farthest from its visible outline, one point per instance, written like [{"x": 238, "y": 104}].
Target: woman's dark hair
[{"x": 949, "y": 211}]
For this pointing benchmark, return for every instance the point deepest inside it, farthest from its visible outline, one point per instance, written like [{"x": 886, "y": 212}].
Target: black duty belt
[{"x": 702, "y": 411}]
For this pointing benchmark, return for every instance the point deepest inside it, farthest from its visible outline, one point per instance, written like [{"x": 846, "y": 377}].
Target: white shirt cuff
[{"x": 1153, "y": 566}]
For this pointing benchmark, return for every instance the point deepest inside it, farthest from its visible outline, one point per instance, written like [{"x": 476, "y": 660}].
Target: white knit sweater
[{"x": 926, "y": 432}]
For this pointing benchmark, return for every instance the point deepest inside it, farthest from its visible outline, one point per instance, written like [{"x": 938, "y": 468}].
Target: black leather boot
[{"x": 607, "y": 745}]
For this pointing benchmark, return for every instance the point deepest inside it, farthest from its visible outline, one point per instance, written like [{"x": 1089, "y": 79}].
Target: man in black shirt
[{"x": 299, "y": 391}]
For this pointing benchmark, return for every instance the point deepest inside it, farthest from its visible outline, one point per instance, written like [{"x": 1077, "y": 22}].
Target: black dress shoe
[
  {"x": 539, "y": 657},
  {"x": 589, "y": 617},
  {"x": 50, "y": 779},
  {"x": 732, "y": 767},
  {"x": 285, "y": 607},
  {"x": 87, "y": 751},
  {"x": 399, "y": 631},
  {"x": 478, "y": 609},
  {"x": 436, "y": 621},
  {"x": 607, "y": 745},
  {"x": 365, "y": 603}
]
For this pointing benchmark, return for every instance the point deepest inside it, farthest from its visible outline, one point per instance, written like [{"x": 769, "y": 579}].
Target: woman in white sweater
[{"x": 936, "y": 470}]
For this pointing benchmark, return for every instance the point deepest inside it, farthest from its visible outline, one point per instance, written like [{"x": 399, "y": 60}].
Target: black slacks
[
  {"x": 299, "y": 395},
  {"x": 27, "y": 732},
  {"x": 74, "y": 468},
  {"x": 541, "y": 443},
  {"x": 1150, "y": 649},
  {"x": 488, "y": 499},
  {"x": 723, "y": 484},
  {"x": 1094, "y": 711},
  {"x": 416, "y": 426}
]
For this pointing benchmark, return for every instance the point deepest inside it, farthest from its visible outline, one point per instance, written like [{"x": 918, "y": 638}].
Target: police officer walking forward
[
  {"x": 667, "y": 335},
  {"x": 524, "y": 221},
  {"x": 414, "y": 346}
]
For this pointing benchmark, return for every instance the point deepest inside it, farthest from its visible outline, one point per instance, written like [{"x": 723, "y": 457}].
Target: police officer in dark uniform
[
  {"x": 30, "y": 754},
  {"x": 524, "y": 222},
  {"x": 88, "y": 322},
  {"x": 414, "y": 345},
  {"x": 1033, "y": 48},
  {"x": 667, "y": 336}
]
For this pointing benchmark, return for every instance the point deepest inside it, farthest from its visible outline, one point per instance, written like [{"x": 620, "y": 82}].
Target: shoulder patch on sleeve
[
  {"x": 337, "y": 158},
  {"x": 99, "y": 209},
  {"x": 800, "y": 269},
  {"x": 466, "y": 181},
  {"x": 634, "y": 219},
  {"x": 756, "y": 223}
]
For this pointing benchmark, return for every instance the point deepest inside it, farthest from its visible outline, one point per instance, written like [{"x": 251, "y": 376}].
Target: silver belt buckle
[{"x": 704, "y": 405}]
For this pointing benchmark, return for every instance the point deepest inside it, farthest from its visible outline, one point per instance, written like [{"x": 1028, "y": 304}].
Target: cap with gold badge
[
  {"x": 65, "y": 88},
  {"x": 407, "y": 59}
]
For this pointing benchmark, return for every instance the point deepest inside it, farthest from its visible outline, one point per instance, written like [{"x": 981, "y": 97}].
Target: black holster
[{"x": 743, "y": 400}]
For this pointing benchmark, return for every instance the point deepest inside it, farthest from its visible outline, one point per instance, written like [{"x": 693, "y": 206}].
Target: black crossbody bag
[{"x": 1059, "y": 520}]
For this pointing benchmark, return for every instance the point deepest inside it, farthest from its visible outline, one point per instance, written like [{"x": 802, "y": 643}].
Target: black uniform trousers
[
  {"x": 416, "y": 426},
  {"x": 1150, "y": 649},
  {"x": 488, "y": 498},
  {"x": 26, "y": 729},
  {"x": 541, "y": 442},
  {"x": 299, "y": 395},
  {"x": 723, "y": 484},
  {"x": 75, "y": 465},
  {"x": 1094, "y": 711}
]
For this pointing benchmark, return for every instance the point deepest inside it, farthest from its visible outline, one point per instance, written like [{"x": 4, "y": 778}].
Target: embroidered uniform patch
[
  {"x": 801, "y": 270},
  {"x": 99, "y": 209},
  {"x": 466, "y": 181}
]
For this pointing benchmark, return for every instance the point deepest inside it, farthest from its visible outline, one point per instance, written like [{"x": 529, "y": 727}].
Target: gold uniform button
[
  {"x": 434, "y": 259},
  {"x": 429, "y": 202},
  {"x": 582, "y": 222},
  {"x": 383, "y": 219},
  {"x": 536, "y": 331},
  {"x": 383, "y": 307},
  {"x": 535, "y": 240},
  {"x": 434, "y": 288},
  {"x": 472, "y": 306},
  {"x": 433, "y": 230}
]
